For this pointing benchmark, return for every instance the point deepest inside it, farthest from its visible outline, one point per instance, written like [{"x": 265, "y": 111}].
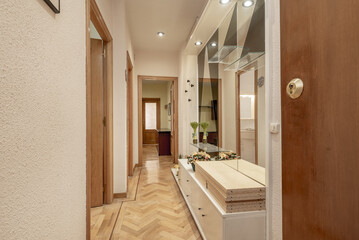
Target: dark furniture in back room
[{"x": 164, "y": 141}]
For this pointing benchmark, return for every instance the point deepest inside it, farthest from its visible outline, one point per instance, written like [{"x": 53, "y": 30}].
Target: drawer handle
[
  {"x": 203, "y": 215},
  {"x": 187, "y": 180},
  {"x": 199, "y": 208},
  {"x": 187, "y": 195}
]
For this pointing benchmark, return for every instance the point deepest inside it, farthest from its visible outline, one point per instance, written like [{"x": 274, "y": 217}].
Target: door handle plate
[{"x": 295, "y": 88}]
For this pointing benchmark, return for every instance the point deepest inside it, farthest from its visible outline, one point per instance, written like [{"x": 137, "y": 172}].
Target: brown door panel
[
  {"x": 150, "y": 137},
  {"x": 97, "y": 114},
  {"x": 320, "y": 131}
]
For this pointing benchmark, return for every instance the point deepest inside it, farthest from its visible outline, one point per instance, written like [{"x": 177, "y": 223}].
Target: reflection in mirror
[
  {"x": 247, "y": 118},
  {"x": 208, "y": 110},
  {"x": 231, "y": 88}
]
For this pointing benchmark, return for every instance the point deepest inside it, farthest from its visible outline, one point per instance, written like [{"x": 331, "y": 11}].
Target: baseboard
[{"x": 120, "y": 195}]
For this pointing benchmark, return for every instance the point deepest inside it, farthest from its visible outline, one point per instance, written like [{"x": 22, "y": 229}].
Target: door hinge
[
  {"x": 104, "y": 53},
  {"x": 104, "y": 121}
]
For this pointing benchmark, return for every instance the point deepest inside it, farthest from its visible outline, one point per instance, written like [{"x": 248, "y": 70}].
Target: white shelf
[
  {"x": 189, "y": 169},
  {"x": 216, "y": 224}
]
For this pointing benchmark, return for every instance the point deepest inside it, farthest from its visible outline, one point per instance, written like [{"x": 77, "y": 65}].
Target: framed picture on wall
[{"x": 54, "y": 5}]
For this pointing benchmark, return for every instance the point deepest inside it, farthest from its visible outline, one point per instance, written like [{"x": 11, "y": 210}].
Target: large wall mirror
[{"x": 231, "y": 88}]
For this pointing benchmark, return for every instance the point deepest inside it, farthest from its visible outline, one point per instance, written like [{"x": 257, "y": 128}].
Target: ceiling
[
  {"x": 175, "y": 18},
  {"x": 207, "y": 24}
]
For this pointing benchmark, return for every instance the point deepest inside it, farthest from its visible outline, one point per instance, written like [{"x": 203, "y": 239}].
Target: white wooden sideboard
[{"x": 212, "y": 222}]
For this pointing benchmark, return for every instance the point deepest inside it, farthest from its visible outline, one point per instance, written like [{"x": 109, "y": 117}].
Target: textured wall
[
  {"x": 187, "y": 111},
  {"x": 274, "y": 154},
  {"x": 42, "y": 121}
]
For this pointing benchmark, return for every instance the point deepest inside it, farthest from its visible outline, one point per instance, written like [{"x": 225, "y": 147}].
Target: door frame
[
  {"x": 93, "y": 14},
  {"x": 140, "y": 78},
  {"x": 129, "y": 80},
  {"x": 158, "y": 113}
]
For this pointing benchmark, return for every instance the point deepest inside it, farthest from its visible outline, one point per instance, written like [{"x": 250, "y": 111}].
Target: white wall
[
  {"x": 273, "y": 113},
  {"x": 114, "y": 13},
  {"x": 154, "y": 63},
  {"x": 150, "y": 64},
  {"x": 42, "y": 121},
  {"x": 188, "y": 111}
]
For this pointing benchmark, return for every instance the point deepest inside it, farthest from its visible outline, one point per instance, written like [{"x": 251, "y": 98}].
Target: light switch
[{"x": 275, "y": 128}]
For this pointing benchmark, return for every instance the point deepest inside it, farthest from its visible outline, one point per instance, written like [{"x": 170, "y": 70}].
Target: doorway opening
[
  {"x": 158, "y": 116},
  {"x": 151, "y": 122}
]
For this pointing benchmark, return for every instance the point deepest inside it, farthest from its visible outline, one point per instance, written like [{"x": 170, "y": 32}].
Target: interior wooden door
[
  {"x": 97, "y": 116},
  {"x": 151, "y": 115},
  {"x": 129, "y": 117},
  {"x": 320, "y": 132}
]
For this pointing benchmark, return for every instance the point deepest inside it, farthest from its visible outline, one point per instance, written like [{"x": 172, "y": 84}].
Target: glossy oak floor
[{"x": 154, "y": 208}]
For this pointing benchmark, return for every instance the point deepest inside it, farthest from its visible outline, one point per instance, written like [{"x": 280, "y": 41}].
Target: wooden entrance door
[
  {"x": 320, "y": 158},
  {"x": 97, "y": 117},
  {"x": 151, "y": 120}
]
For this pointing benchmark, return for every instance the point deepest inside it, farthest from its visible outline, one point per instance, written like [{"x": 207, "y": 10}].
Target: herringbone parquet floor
[{"x": 158, "y": 210}]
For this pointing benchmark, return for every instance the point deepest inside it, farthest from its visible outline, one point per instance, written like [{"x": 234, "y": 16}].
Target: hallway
[{"x": 154, "y": 208}]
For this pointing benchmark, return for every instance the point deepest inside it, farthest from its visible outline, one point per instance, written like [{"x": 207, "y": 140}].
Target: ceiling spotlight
[
  {"x": 248, "y": 3},
  {"x": 214, "y": 44},
  {"x": 160, "y": 34},
  {"x": 224, "y": 2},
  {"x": 198, "y": 43}
]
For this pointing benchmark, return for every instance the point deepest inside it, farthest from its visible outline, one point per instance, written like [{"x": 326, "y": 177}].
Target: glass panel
[
  {"x": 245, "y": 61},
  {"x": 247, "y": 118},
  {"x": 151, "y": 116}
]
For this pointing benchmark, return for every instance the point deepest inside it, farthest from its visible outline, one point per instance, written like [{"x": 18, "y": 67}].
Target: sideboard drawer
[
  {"x": 196, "y": 202},
  {"x": 185, "y": 181}
]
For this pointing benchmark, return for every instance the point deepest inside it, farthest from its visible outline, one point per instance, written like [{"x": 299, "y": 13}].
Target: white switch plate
[{"x": 275, "y": 128}]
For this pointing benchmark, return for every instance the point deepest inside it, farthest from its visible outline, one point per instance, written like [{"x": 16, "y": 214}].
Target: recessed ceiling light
[
  {"x": 161, "y": 34},
  {"x": 214, "y": 44},
  {"x": 248, "y": 3},
  {"x": 198, "y": 43},
  {"x": 224, "y": 2}
]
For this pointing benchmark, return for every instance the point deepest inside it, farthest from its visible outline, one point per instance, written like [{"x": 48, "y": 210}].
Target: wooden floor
[{"x": 154, "y": 208}]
